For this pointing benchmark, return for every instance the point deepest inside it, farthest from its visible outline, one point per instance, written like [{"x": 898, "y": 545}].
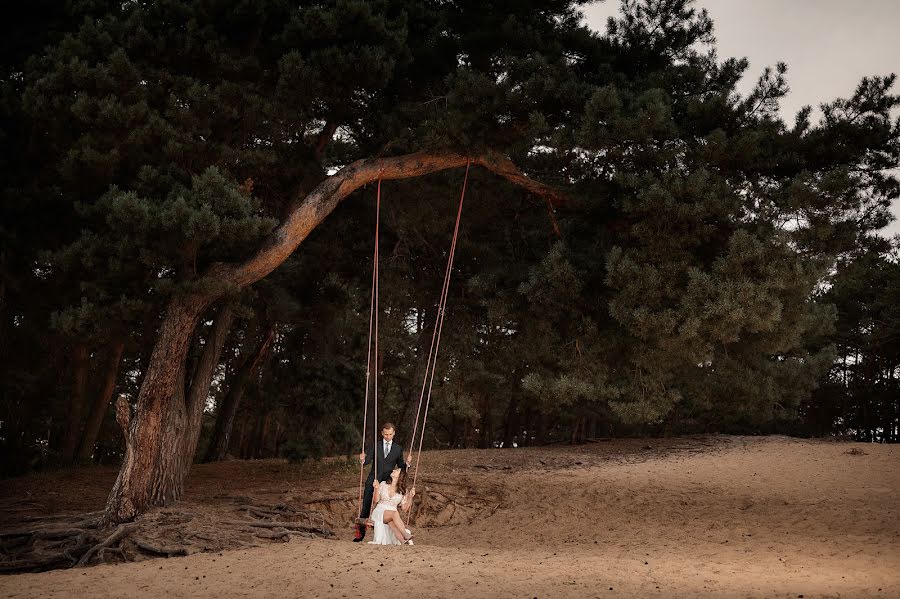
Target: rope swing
[
  {"x": 373, "y": 324},
  {"x": 431, "y": 363}
]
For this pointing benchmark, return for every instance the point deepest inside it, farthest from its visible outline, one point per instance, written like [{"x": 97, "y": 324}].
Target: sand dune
[{"x": 714, "y": 516}]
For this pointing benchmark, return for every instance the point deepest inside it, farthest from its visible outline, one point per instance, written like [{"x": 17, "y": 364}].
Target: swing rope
[
  {"x": 375, "y": 355},
  {"x": 431, "y": 364},
  {"x": 373, "y": 319}
]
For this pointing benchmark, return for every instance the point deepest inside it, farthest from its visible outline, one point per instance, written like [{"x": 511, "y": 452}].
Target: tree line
[{"x": 189, "y": 210}]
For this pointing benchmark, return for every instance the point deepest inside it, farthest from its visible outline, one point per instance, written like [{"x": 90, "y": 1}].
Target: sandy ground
[{"x": 707, "y": 517}]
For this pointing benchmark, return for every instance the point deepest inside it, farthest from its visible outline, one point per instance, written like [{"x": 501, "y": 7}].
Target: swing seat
[{"x": 365, "y": 522}]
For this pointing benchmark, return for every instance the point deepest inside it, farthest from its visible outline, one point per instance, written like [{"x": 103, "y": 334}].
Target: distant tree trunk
[
  {"x": 487, "y": 424},
  {"x": 578, "y": 430},
  {"x": 251, "y": 443},
  {"x": 218, "y": 445},
  {"x": 242, "y": 439},
  {"x": 262, "y": 434},
  {"x": 101, "y": 400},
  {"x": 541, "y": 433},
  {"x": 419, "y": 386},
  {"x": 671, "y": 421},
  {"x": 407, "y": 424},
  {"x": 75, "y": 417},
  {"x": 4, "y": 312},
  {"x": 512, "y": 427},
  {"x": 892, "y": 405},
  {"x": 527, "y": 420},
  {"x": 277, "y": 431},
  {"x": 454, "y": 430},
  {"x": 200, "y": 383}
]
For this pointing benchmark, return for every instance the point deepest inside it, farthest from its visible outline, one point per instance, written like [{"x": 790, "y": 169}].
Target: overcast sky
[{"x": 828, "y": 45}]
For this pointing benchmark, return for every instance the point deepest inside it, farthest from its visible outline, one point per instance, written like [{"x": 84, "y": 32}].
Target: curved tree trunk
[
  {"x": 101, "y": 400},
  {"x": 151, "y": 473},
  {"x": 221, "y": 437}
]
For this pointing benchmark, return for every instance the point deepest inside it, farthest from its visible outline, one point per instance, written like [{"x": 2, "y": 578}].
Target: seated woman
[{"x": 389, "y": 527}]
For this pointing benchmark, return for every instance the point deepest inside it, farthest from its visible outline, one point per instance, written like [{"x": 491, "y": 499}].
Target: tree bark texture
[
  {"x": 151, "y": 472},
  {"x": 101, "y": 400}
]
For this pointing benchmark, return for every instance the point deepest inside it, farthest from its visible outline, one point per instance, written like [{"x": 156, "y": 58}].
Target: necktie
[{"x": 387, "y": 448}]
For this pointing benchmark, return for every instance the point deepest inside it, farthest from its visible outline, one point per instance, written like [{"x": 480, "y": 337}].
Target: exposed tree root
[
  {"x": 121, "y": 532},
  {"x": 281, "y": 511},
  {"x": 61, "y": 541},
  {"x": 67, "y": 540},
  {"x": 230, "y": 522}
]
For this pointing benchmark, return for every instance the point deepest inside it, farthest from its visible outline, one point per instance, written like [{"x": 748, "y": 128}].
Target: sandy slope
[{"x": 727, "y": 517}]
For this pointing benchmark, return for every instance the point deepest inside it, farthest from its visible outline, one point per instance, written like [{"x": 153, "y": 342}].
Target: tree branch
[{"x": 311, "y": 210}]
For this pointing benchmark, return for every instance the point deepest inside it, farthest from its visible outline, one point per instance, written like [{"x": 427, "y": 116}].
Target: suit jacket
[{"x": 386, "y": 463}]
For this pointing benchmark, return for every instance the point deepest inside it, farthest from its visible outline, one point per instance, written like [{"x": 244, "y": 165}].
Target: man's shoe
[{"x": 360, "y": 534}]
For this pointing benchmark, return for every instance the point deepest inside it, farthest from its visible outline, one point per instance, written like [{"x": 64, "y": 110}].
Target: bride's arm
[{"x": 407, "y": 499}]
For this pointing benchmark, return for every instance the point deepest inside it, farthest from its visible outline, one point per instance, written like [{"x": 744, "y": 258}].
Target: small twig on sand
[
  {"x": 274, "y": 535},
  {"x": 329, "y": 499},
  {"x": 158, "y": 549},
  {"x": 286, "y": 525}
]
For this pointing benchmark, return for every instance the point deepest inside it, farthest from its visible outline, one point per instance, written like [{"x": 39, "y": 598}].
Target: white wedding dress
[{"x": 384, "y": 534}]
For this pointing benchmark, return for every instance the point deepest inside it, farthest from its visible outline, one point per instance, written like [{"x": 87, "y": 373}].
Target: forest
[{"x": 188, "y": 221}]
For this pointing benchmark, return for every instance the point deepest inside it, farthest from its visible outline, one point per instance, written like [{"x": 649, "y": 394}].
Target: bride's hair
[{"x": 401, "y": 482}]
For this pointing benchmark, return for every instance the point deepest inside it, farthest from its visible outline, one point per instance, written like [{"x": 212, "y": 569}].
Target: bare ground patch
[{"x": 50, "y": 518}]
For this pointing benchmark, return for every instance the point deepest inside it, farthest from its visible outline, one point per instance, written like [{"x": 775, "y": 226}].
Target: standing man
[{"x": 389, "y": 455}]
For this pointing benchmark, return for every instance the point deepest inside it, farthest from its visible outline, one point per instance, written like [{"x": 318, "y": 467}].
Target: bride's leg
[
  {"x": 399, "y": 520},
  {"x": 392, "y": 518},
  {"x": 404, "y": 532}
]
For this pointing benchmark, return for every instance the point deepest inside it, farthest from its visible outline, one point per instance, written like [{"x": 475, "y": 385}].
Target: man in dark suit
[{"x": 389, "y": 455}]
